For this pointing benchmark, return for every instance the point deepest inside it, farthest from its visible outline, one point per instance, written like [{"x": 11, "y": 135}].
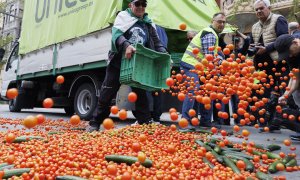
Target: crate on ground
[
  {"x": 147, "y": 69},
  {"x": 176, "y": 58}
]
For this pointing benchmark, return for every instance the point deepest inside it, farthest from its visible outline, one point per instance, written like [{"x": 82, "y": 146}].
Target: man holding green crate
[{"x": 131, "y": 26}]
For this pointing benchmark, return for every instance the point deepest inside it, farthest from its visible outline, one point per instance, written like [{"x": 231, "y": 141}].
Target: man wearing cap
[
  {"x": 288, "y": 48},
  {"x": 294, "y": 29},
  {"x": 131, "y": 26}
]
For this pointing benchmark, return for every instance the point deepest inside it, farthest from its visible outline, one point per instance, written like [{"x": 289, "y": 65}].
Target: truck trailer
[{"x": 72, "y": 38}]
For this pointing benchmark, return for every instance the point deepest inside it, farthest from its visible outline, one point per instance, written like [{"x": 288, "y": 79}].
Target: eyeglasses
[{"x": 139, "y": 3}]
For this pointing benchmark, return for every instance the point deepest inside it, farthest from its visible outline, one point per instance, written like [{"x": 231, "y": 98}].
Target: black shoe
[
  {"x": 295, "y": 137},
  {"x": 210, "y": 124},
  {"x": 271, "y": 130},
  {"x": 92, "y": 128}
]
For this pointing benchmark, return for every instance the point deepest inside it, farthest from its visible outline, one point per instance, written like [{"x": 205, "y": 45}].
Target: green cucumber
[
  {"x": 26, "y": 138},
  {"x": 218, "y": 149},
  {"x": 249, "y": 164},
  {"x": 232, "y": 149},
  {"x": 3, "y": 164},
  {"x": 257, "y": 153},
  {"x": 127, "y": 159},
  {"x": 69, "y": 178},
  {"x": 55, "y": 132},
  {"x": 263, "y": 176},
  {"x": 203, "y": 131},
  {"x": 286, "y": 159},
  {"x": 259, "y": 146},
  {"x": 217, "y": 156},
  {"x": 291, "y": 163},
  {"x": 236, "y": 154},
  {"x": 229, "y": 163},
  {"x": 15, "y": 172},
  {"x": 272, "y": 155},
  {"x": 203, "y": 145},
  {"x": 212, "y": 145},
  {"x": 6, "y": 167},
  {"x": 272, "y": 168},
  {"x": 206, "y": 161},
  {"x": 214, "y": 140},
  {"x": 273, "y": 147}
]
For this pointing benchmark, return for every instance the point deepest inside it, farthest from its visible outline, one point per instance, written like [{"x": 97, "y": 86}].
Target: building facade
[{"x": 11, "y": 26}]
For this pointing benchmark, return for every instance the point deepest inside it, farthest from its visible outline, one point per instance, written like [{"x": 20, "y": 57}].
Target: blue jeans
[{"x": 191, "y": 103}]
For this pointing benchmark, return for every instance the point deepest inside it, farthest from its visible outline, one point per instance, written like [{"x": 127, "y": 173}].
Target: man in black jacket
[{"x": 131, "y": 26}]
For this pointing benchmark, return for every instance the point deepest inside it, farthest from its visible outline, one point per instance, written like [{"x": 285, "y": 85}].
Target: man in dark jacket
[{"x": 131, "y": 26}]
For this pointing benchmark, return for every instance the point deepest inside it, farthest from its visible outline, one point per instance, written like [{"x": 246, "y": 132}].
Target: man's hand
[
  {"x": 282, "y": 100},
  {"x": 261, "y": 50},
  {"x": 129, "y": 51}
]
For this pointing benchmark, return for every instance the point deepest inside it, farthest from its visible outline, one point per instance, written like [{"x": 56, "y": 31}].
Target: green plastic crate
[
  {"x": 176, "y": 58},
  {"x": 147, "y": 69}
]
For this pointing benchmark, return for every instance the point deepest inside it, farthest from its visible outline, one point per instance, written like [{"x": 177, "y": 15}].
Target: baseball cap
[
  {"x": 138, "y": 0},
  {"x": 282, "y": 45}
]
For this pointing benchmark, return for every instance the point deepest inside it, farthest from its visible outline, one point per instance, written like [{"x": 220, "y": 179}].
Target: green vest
[{"x": 193, "y": 59}]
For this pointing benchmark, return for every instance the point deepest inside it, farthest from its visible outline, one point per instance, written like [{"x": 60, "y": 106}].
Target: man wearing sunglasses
[{"x": 131, "y": 26}]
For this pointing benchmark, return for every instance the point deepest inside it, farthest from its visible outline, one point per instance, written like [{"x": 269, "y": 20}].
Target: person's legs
[
  {"x": 189, "y": 103},
  {"x": 108, "y": 91},
  {"x": 157, "y": 111},
  {"x": 142, "y": 111}
]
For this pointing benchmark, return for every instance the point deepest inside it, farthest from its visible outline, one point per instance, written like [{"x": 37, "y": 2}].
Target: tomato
[
  {"x": 132, "y": 97},
  {"x": 123, "y": 114},
  {"x": 142, "y": 138},
  {"x": 192, "y": 113},
  {"x": 12, "y": 93},
  {"x": 182, "y": 26},
  {"x": 30, "y": 122},
  {"x": 287, "y": 142},
  {"x": 280, "y": 167},
  {"x": 112, "y": 169},
  {"x": 240, "y": 164},
  {"x": 195, "y": 121},
  {"x": 40, "y": 118},
  {"x": 181, "y": 96},
  {"x": 195, "y": 51},
  {"x": 226, "y": 51},
  {"x": 108, "y": 124},
  {"x": 245, "y": 132},
  {"x": 223, "y": 133},
  {"x": 174, "y": 116},
  {"x": 214, "y": 130},
  {"x": 183, "y": 123},
  {"x": 236, "y": 128},
  {"x": 136, "y": 147},
  {"x": 173, "y": 127},
  {"x": 74, "y": 120},
  {"x": 60, "y": 79},
  {"x": 170, "y": 82},
  {"x": 126, "y": 176},
  {"x": 10, "y": 159},
  {"x": 114, "y": 109},
  {"x": 10, "y": 137},
  {"x": 48, "y": 103},
  {"x": 171, "y": 149},
  {"x": 141, "y": 157}
]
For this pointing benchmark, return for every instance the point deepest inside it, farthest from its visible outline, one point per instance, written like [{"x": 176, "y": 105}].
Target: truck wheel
[
  {"x": 14, "y": 106},
  {"x": 85, "y": 101}
]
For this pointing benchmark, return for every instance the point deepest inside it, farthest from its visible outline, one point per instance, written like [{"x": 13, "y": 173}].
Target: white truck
[{"x": 72, "y": 38}]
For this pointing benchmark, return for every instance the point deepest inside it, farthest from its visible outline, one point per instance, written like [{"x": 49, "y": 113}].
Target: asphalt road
[{"x": 259, "y": 138}]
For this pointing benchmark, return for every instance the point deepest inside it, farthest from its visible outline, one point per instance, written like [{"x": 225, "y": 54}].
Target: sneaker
[
  {"x": 135, "y": 123},
  {"x": 154, "y": 122},
  {"x": 271, "y": 130},
  {"x": 295, "y": 137},
  {"x": 210, "y": 124},
  {"x": 92, "y": 128}
]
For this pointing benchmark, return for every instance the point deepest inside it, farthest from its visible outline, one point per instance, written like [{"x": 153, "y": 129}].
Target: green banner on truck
[{"x": 46, "y": 22}]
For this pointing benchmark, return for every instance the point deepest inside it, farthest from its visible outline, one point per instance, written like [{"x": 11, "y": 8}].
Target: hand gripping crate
[{"x": 147, "y": 69}]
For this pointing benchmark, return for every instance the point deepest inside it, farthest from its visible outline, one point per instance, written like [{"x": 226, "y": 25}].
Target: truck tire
[
  {"x": 85, "y": 101},
  {"x": 14, "y": 105}
]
